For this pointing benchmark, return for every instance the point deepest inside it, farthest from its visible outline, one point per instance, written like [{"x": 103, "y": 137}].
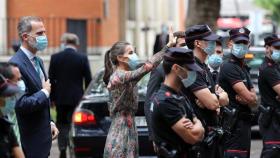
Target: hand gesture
[
  {"x": 172, "y": 39},
  {"x": 47, "y": 85}
]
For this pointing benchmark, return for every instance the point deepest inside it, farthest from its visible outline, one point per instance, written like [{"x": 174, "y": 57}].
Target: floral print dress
[{"x": 122, "y": 138}]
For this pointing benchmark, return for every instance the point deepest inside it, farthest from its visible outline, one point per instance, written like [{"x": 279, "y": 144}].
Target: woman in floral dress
[{"x": 121, "y": 77}]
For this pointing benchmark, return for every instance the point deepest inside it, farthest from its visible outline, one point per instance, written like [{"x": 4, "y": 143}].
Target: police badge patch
[{"x": 241, "y": 30}]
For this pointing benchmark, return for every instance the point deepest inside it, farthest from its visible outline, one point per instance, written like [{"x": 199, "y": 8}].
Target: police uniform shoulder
[
  {"x": 228, "y": 65},
  {"x": 163, "y": 96}
]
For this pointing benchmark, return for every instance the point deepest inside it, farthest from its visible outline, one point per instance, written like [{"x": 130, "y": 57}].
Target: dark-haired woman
[{"x": 121, "y": 77}]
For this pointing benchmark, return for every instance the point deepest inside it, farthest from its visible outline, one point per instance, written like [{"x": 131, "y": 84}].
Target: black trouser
[
  {"x": 270, "y": 132},
  {"x": 238, "y": 143},
  {"x": 63, "y": 120}
]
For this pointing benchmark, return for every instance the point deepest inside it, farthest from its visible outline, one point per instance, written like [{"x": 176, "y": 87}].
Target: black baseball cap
[
  {"x": 272, "y": 40},
  {"x": 239, "y": 34},
  {"x": 181, "y": 56},
  {"x": 200, "y": 32},
  {"x": 7, "y": 89}
]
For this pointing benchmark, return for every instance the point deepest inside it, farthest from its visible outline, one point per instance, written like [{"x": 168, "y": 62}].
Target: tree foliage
[
  {"x": 273, "y": 6},
  {"x": 203, "y": 12}
]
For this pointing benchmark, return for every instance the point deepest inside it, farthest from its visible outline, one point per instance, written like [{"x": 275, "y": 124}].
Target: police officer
[
  {"x": 156, "y": 78},
  {"x": 9, "y": 146},
  {"x": 175, "y": 127},
  {"x": 234, "y": 78},
  {"x": 269, "y": 87},
  {"x": 204, "y": 94}
]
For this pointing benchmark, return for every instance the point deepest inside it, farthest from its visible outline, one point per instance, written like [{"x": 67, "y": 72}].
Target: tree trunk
[{"x": 203, "y": 12}]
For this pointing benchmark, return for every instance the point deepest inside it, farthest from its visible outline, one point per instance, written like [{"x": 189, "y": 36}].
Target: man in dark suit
[
  {"x": 69, "y": 74},
  {"x": 156, "y": 78},
  {"x": 33, "y": 107},
  {"x": 161, "y": 39}
]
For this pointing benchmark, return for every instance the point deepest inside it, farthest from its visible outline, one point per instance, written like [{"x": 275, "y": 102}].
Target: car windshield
[{"x": 98, "y": 88}]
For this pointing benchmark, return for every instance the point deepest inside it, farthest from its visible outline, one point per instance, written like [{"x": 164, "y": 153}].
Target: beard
[{"x": 31, "y": 43}]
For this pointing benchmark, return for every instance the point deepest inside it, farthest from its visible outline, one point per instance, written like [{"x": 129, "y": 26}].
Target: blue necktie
[{"x": 37, "y": 64}]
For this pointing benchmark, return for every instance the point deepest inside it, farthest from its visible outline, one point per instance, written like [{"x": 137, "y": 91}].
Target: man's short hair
[
  {"x": 70, "y": 38},
  {"x": 24, "y": 25}
]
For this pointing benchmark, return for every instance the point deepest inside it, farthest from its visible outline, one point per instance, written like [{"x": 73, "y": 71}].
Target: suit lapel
[{"x": 31, "y": 70}]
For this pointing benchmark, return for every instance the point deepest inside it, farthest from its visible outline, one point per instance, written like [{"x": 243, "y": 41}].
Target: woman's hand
[{"x": 172, "y": 39}]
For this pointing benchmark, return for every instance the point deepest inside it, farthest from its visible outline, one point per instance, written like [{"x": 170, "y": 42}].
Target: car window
[
  {"x": 98, "y": 88},
  {"x": 257, "y": 60}
]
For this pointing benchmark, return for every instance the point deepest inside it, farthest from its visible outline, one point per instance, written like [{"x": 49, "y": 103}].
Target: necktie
[
  {"x": 38, "y": 68},
  {"x": 215, "y": 75},
  {"x": 36, "y": 64}
]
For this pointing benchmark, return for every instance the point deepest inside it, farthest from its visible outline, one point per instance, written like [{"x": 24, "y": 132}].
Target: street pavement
[{"x": 256, "y": 147}]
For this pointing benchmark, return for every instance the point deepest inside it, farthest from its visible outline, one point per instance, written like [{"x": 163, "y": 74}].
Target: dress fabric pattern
[{"x": 122, "y": 138}]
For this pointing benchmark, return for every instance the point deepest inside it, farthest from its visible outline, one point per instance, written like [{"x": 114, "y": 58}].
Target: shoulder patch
[{"x": 168, "y": 94}]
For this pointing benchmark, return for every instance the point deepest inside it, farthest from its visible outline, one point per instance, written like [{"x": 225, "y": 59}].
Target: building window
[{"x": 106, "y": 8}]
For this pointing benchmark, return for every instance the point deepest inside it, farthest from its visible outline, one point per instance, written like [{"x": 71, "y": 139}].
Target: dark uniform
[
  {"x": 269, "y": 120},
  {"x": 168, "y": 107},
  {"x": 204, "y": 79},
  {"x": 8, "y": 140},
  {"x": 237, "y": 144}
]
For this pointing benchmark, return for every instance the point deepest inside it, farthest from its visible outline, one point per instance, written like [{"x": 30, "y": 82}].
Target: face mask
[
  {"x": 189, "y": 80},
  {"x": 275, "y": 56},
  {"x": 215, "y": 61},
  {"x": 21, "y": 85},
  {"x": 9, "y": 107},
  {"x": 62, "y": 46},
  {"x": 185, "y": 47},
  {"x": 41, "y": 43},
  {"x": 133, "y": 61},
  {"x": 239, "y": 50},
  {"x": 210, "y": 49}
]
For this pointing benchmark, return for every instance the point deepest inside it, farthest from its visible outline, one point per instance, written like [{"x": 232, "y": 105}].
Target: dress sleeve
[{"x": 134, "y": 76}]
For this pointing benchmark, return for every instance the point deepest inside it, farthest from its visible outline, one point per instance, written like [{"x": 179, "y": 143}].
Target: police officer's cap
[
  {"x": 272, "y": 40},
  {"x": 239, "y": 34},
  {"x": 200, "y": 32},
  {"x": 181, "y": 56}
]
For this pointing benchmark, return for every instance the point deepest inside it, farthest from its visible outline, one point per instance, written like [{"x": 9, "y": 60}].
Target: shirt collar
[
  {"x": 71, "y": 47},
  {"x": 27, "y": 53},
  {"x": 167, "y": 88},
  {"x": 238, "y": 61},
  {"x": 270, "y": 61}
]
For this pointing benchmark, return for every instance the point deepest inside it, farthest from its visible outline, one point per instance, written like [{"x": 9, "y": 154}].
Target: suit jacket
[
  {"x": 33, "y": 110},
  {"x": 156, "y": 79},
  {"x": 69, "y": 72}
]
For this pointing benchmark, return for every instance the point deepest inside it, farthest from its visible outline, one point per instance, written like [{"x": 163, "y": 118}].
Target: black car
[{"x": 91, "y": 121}]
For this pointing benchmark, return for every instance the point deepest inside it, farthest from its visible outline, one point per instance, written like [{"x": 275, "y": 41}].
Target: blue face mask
[
  {"x": 62, "y": 46},
  {"x": 190, "y": 79},
  {"x": 215, "y": 61},
  {"x": 133, "y": 61},
  {"x": 210, "y": 49},
  {"x": 9, "y": 107},
  {"x": 41, "y": 42},
  {"x": 239, "y": 50},
  {"x": 275, "y": 56}
]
